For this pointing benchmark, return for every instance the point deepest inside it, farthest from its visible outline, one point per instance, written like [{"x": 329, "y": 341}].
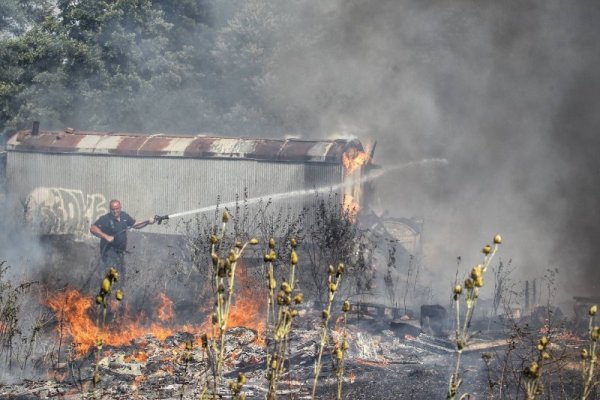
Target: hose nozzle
[{"x": 160, "y": 218}]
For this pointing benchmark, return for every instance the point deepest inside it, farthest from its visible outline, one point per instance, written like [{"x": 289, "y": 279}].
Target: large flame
[
  {"x": 80, "y": 320},
  {"x": 75, "y": 320},
  {"x": 354, "y": 159}
]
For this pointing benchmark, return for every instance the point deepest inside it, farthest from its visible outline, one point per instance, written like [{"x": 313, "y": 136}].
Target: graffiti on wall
[{"x": 64, "y": 211}]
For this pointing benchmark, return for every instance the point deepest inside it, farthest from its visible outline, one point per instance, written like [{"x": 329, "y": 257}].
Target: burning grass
[
  {"x": 78, "y": 320},
  {"x": 190, "y": 353}
]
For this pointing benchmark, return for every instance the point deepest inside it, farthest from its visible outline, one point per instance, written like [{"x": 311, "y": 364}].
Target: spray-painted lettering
[{"x": 64, "y": 211}]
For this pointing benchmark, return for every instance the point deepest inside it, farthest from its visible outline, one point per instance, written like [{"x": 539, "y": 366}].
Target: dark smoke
[{"x": 504, "y": 90}]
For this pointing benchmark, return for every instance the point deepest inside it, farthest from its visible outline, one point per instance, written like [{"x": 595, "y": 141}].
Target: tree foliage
[{"x": 141, "y": 65}]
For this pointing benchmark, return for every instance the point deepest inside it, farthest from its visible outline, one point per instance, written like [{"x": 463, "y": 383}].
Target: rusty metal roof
[{"x": 169, "y": 145}]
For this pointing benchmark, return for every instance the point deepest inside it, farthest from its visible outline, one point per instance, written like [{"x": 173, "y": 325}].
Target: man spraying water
[{"x": 112, "y": 229}]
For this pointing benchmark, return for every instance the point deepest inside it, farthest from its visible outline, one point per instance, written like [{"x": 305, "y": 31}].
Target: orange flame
[
  {"x": 166, "y": 311},
  {"x": 249, "y": 304},
  {"x": 354, "y": 159},
  {"x": 78, "y": 317},
  {"x": 77, "y": 322}
]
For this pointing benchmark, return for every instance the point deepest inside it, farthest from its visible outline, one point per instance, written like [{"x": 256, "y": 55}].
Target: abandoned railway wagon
[{"x": 64, "y": 180}]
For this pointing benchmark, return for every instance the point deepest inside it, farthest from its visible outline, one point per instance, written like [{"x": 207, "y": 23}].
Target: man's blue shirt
[{"x": 118, "y": 229}]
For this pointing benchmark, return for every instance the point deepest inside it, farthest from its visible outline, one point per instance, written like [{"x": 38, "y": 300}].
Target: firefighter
[{"x": 112, "y": 230}]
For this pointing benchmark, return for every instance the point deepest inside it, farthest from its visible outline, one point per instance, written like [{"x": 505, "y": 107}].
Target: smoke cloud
[{"x": 505, "y": 91}]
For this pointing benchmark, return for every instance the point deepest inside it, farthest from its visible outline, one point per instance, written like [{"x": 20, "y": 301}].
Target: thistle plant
[
  {"x": 533, "y": 373},
  {"x": 589, "y": 358},
  {"x": 287, "y": 301},
  {"x": 340, "y": 350},
  {"x": 472, "y": 285},
  {"x": 112, "y": 276},
  {"x": 223, "y": 274},
  {"x": 333, "y": 280}
]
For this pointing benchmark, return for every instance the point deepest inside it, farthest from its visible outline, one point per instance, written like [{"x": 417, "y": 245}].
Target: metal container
[{"x": 65, "y": 180}]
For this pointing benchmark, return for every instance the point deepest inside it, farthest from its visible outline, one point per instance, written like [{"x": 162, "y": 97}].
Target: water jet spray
[{"x": 303, "y": 192}]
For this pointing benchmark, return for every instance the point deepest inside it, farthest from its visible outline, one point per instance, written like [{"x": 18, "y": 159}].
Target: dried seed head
[
  {"x": 273, "y": 255},
  {"x": 119, "y": 295},
  {"x": 545, "y": 355},
  {"x": 100, "y": 299},
  {"x": 457, "y": 289},
  {"x": 106, "y": 284},
  {"x": 332, "y": 287},
  {"x": 232, "y": 257},
  {"x": 215, "y": 318},
  {"x": 280, "y": 299},
  {"x": 345, "y": 345},
  {"x": 274, "y": 364},
  {"x": 487, "y": 249},
  {"x": 272, "y": 243},
  {"x": 221, "y": 288},
  {"x": 479, "y": 282},
  {"x": 533, "y": 370},
  {"x": 294, "y": 313},
  {"x": 225, "y": 216},
  {"x": 497, "y": 239},
  {"x": 286, "y": 288},
  {"x": 544, "y": 341},
  {"x": 294, "y": 257},
  {"x": 239, "y": 244},
  {"x": 477, "y": 271},
  {"x": 214, "y": 239},
  {"x": 267, "y": 258},
  {"x": 272, "y": 283},
  {"x": 112, "y": 274},
  {"x": 293, "y": 243},
  {"x": 584, "y": 354},
  {"x": 595, "y": 334},
  {"x": 331, "y": 270},
  {"x": 540, "y": 347},
  {"x": 346, "y": 306},
  {"x": 339, "y": 354},
  {"x": 96, "y": 378},
  {"x": 460, "y": 344},
  {"x": 215, "y": 258},
  {"x": 188, "y": 345},
  {"x": 325, "y": 314},
  {"x": 253, "y": 241},
  {"x": 469, "y": 283},
  {"x": 299, "y": 298},
  {"x": 593, "y": 310},
  {"x": 242, "y": 378},
  {"x": 341, "y": 268}
]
